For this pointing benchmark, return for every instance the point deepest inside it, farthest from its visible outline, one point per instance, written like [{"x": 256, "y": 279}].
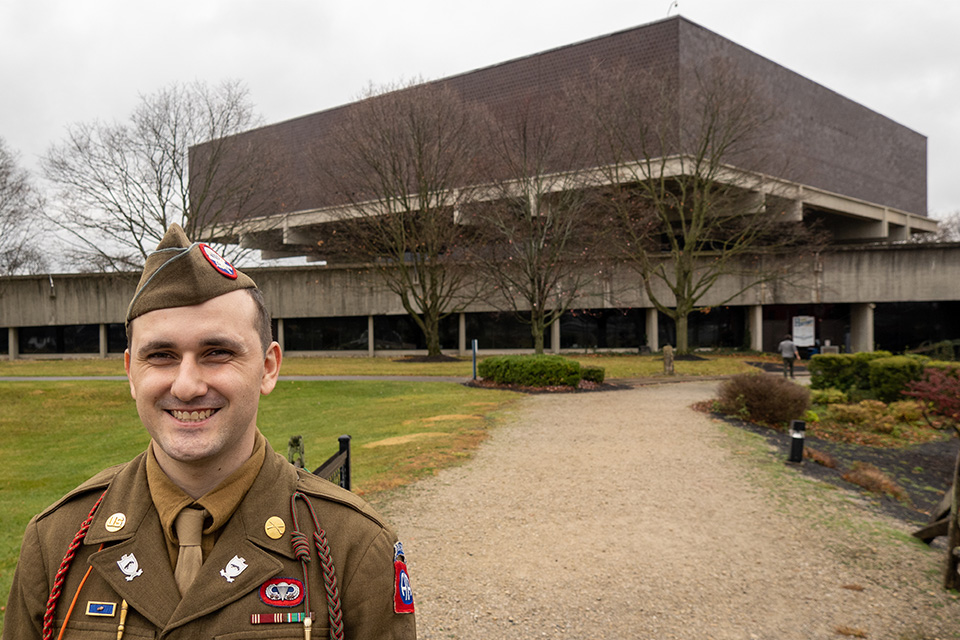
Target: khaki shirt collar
[{"x": 221, "y": 502}]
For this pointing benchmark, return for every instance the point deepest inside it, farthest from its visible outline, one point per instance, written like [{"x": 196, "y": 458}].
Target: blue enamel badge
[{"x": 101, "y": 609}]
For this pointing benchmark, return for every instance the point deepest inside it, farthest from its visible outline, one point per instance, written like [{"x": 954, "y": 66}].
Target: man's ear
[
  {"x": 271, "y": 368},
  {"x": 126, "y": 367}
]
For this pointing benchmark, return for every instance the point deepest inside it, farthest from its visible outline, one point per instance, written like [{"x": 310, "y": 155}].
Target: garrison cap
[{"x": 181, "y": 273}]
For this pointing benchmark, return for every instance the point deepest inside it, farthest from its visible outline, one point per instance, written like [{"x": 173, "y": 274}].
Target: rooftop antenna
[{"x": 674, "y": 4}]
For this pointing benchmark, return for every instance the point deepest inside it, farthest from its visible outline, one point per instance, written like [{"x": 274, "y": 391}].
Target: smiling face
[{"x": 197, "y": 374}]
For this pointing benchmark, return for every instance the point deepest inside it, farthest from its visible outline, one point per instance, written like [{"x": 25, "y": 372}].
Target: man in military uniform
[{"x": 209, "y": 533}]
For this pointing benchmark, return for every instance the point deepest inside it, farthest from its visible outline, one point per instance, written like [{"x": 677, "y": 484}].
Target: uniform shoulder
[
  {"x": 324, "y": 490},
  {"x": 94, "y": 485}
]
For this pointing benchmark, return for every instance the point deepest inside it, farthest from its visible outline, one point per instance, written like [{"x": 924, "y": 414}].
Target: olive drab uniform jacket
[{"x": 250, "y": 575}]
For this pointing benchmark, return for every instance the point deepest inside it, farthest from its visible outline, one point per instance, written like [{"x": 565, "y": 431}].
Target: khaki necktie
[{"x": 189, "y": 526}]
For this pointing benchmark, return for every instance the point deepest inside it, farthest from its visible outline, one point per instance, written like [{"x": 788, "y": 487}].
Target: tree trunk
[
  {"x": 682, "y": 322},
  {"x": 537, "y": 330}
]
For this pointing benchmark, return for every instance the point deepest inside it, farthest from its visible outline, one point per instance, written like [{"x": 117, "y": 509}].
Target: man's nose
[{"x": 189, "y": 382}]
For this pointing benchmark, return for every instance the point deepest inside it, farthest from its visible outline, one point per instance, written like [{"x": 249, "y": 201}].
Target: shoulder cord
[
  {"x": 301, "y": 548},
  {"x": 62, "y": 572}
]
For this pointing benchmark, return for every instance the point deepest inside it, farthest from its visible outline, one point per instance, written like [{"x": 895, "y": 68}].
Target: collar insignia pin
[
  {"x": 234, "y": 568},
  {"x": 275, "y": 526},
  {"x": 130, "y": 567},
  {"x": 115, "y": 522}
]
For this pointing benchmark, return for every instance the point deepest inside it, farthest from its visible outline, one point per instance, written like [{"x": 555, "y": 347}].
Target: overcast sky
[{"x": 66, "y": 61}]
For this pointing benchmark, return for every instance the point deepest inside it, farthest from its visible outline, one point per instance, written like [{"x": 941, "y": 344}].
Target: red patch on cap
[
  {"x": 218, "y": 262},
  {"x": 402, "y": 591}
]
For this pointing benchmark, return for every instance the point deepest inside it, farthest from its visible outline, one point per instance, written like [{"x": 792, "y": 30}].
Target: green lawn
[
  {"x": 617, "y": 366},
  {"x": 57, "y": 434}
]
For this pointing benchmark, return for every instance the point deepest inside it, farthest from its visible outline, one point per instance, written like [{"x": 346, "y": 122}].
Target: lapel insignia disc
[
  {"x": 101, "y": 609},
  {"x": 234, "y": 568},
  {"x": 282, "y": 592},
  {"x": 115, "y": 522},
  {"x": 130, "y": 567},
  {"x": 275, "y": 527}
]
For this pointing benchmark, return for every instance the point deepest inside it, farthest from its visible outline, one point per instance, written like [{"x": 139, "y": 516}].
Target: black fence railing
[{"x": 337, "y": 467}]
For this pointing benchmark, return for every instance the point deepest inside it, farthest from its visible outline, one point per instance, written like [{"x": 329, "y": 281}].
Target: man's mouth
[{"x": 192, "y": 416}]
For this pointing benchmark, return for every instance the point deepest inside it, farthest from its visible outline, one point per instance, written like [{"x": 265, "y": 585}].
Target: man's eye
[{"x": 158, "y": 356}]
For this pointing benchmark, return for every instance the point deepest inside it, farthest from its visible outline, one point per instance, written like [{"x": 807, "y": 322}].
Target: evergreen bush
[
  {"x": 531, "y": 371},
  {"x": 828, "y": 396},
  {"x": 831, "y": 371},
  {"x": 889, "y": 376},
  {"x": 593, "y": 374}
]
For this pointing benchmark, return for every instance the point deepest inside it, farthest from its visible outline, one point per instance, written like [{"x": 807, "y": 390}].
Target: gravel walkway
[{"x": 625, "y": 514}]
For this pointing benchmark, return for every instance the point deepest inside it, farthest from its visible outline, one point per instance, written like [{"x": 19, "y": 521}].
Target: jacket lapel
[
  {"x": 245, "y": 556},
  {"x": 138, "y": 569},
  {"x": 234, "y": 568}
]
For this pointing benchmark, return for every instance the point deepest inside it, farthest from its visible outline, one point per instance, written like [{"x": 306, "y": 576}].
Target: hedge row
[
  {"x": 537, "y": 371},
  {"x": 879, "y": 373}
]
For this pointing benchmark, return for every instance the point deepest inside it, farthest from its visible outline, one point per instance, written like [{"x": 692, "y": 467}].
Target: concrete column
[
  {"x": 653, "y": 330},
  {"x": 370, "y": 337},
  {"x": 462, "y": 334},
  {"x": 861, "y": 327},
  {"x": 103, "y": 340},
  {"x": 281, "y": 337},
  {"x": 13, "y": 343},
  {"x": 555, "y": 336},
  {"x": 755, "y": 326}
]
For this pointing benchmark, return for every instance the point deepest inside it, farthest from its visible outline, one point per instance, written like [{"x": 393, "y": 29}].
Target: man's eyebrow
[
  {"x": 154, "y": 345},
  {"x": 222, "y": 341}
]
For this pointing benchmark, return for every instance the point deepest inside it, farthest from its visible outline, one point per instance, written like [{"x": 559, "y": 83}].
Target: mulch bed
[{"x": 924, "y": 471}]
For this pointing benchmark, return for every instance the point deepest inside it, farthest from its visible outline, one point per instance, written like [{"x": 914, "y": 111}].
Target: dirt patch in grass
[{"x": 410, "y": 437}]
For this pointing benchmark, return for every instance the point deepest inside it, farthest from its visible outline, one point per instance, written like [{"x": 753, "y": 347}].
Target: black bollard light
[{"x": 797, "y": 432}]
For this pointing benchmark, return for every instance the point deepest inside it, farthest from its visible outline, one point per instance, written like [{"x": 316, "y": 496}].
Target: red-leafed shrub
[{"x": 940, "y": 387}]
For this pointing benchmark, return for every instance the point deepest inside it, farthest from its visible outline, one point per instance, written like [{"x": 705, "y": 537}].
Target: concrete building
[{"x": 858, "y": 174}]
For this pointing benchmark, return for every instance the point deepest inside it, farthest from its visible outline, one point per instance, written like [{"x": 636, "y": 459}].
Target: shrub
[
  {"x": 889, "y": 376},
  {"x": 849, "y": 413},
  {"x": 831, "y": 370},
  {"x": 828, "y": 396},
  {"x": 763, "y": 398},
  {"x": 940, "y": 387},
  {"x": 531, "y": 371},
  {"x": 822, "y": 458},
  {"x": 906, "y": 410},
  {"x": 844, "y": 371},
  {"x": 873, "y": 479},
  {"x": 593, "y": 374},
  {"x": 861, "y": 367}
]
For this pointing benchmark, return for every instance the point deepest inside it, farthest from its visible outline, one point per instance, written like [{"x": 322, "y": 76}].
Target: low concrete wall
[{"x": 857, "y": 275}]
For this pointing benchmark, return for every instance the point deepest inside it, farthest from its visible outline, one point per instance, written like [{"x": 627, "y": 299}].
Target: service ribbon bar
[{"x": 277, "y": 618}]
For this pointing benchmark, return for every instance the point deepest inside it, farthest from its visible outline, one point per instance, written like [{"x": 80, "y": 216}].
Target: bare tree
[
  {"x": 403, "y": 163},
  {"x": 948, "y": 230},
  {"x": 20, "y": 209},
  {"x": 681, "y": 159},
  {"x": 119, "y": 186},
  {"x": 538, "y": 234}
]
